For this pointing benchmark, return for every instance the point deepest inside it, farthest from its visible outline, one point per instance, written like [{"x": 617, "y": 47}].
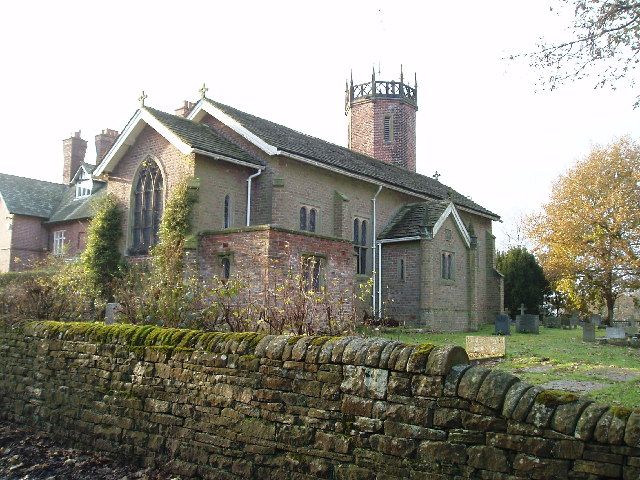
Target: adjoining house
[{"x": 271, "y": 198}]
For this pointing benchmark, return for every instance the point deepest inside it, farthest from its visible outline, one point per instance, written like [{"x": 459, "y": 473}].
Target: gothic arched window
[
  {"x": 147, "y": 207},
  {"x": 360, "y": 245},
  {"x": 227, "y": 211}
]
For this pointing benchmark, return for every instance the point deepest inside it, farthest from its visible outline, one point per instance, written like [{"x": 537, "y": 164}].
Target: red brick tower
[{"x": 382, "y": 120}]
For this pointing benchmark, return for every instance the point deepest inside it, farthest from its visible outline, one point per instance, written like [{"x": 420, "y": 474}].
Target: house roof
[
  {"x": 71, "y": 208},
  {"x": 413, "y": 220},
  {"x": 200, "y": 136},
  {"x": 292, "y": 141},
  {"x": 27, "y": 196}
]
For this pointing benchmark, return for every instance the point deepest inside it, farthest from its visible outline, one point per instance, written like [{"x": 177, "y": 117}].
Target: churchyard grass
[{"x": 605, "y": 373}]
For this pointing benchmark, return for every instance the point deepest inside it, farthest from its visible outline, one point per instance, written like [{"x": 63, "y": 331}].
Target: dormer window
[{"x": 84, "y": 184}]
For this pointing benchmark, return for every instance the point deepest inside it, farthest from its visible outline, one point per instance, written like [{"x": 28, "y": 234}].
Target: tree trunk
[{"x": 610, "y": 299}]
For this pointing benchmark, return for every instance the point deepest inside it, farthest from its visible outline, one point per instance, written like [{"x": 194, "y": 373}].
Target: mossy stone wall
[{"x": 227, "y": 406}]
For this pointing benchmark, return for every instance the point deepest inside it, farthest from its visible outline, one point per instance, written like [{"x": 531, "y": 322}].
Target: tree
[
  {"x": 605, "y": 44},
  {"x": 101, "y": 259},
  {"x": 588, "y": 235},
  {"x": 524, "y": 280}
]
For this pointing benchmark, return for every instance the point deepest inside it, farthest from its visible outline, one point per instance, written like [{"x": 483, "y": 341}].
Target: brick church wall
[
  {"x": 174, "y": 165},
  {"x": 489, "y": 298},
  {"x": 217, "y": 179},
  {"x": 262, "y": 186},
  {"x": 277, "y": 407},
  {"x": 303, "y": 184},
  {"x": 401, "y": 298},
  {"x": 450, "y": 302},
  {"x": 262, "y": 255}
]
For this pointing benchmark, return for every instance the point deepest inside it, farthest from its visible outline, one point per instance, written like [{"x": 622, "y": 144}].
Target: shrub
[
  {"x": 55, "y": 290},
  {"x": 101, "y": 259}
]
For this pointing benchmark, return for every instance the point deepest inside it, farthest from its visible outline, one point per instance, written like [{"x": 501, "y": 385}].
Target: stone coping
[
  {"x": 267, "y": 227},
  {"x": 350, "y": 350}
]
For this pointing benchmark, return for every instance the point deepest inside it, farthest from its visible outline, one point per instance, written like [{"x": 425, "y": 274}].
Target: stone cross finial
[
  {"x": 142, "y": 98},
  {"x": 203, "y": 90},
  {"x": 436, "y": 175},
  {"x": 522, "y": 309}
]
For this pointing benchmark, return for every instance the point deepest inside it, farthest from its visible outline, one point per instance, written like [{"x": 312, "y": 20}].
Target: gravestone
[
  {"x": 596, "y": 320},
  {"x": 588, "y": 332},
  {"x": 574, "y": 321},
  {"x": 565, "y": 322},
  {"x": 502, "y": 325},
  {"x": 615, "y": 333},
  {"x": 551, "y": 322},
  {"x": 485, "y": 347},
  {"x": 631, "y": 329},
  {"x": 527, "y": 323},
  {"x": 110, "y": 313}
]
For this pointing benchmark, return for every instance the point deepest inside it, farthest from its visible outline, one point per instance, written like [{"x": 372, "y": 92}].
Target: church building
[{"x": 271, "y": 198}]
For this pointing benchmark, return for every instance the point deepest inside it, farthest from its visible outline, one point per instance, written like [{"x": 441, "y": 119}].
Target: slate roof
[
  {"x": 27, "y": 196},
  {"x": 71, "y": 208},
  {"x": 414, "y": 220},
  {"x": 201, "y": 136},
  {"x": 291, "y": 141}
]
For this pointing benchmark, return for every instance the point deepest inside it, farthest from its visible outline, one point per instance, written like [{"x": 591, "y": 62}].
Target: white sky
[{"x": 70, "y": 65}]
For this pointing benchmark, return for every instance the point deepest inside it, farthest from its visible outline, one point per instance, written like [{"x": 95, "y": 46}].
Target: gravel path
[{"x": 27, "y": 454}]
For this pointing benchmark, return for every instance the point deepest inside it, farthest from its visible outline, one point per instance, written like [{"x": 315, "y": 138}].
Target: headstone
[
  {"x": 631, "y": 329},
  {"x": 574, "y": 321},
  {"x": 588, "y": 332},
  {"x": 615, "y": 333},
  {"x": 527, "y": 323},
  {"x": 503, "y": 325},
  {"x": 110, "y": 313},
  {"x": 565, "y": 322},
  {"x": 485, "y": 347},
  {"x": 551, "y": 322},
  {"x": 596, "y": 320},
  {"x": 522, "y": 309}
]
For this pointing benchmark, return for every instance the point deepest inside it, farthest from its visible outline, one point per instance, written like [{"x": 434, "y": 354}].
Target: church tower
[{"x": 382, "y": 120}]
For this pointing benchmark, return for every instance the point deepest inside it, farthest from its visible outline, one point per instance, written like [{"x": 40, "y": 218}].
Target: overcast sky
[{"x": 482, "y": 122}]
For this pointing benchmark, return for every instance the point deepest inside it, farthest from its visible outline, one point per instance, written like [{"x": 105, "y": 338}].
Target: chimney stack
[
  {"x": 104, "y": 142},
  {"x": 73, "y": 150},
  {"x": 184, "y": 110}
]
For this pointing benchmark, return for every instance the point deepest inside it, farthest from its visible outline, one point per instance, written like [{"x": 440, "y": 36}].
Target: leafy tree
[
  {"x": 604, "y": 43},
  {"x": 101, "y": 258},
  {"x": 588, "y": 235},
  {"x": 524, "y": 280}
]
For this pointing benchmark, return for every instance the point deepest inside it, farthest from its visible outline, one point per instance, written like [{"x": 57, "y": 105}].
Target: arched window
[
  {"x": 303, "y": 218},
  {"x": 447, "y": 265},
  {"x": 227, "y": 211},
  {"x": 225, "y": 263},
  {"x": 360, "y": 245},
  {"x": 147, "y": 207},
  {"x": 312, "y": 219}
]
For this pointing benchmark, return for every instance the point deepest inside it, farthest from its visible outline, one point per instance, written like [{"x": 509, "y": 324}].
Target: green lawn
[{"x": 556, "y": 355}]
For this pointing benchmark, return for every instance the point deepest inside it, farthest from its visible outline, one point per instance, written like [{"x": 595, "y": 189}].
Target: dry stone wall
[{"x": 229, "y": 406}]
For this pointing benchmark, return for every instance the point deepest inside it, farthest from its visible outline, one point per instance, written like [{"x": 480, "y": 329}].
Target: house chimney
[
  {"x": 73, "y": 150},
  {"x": 104, "y": 142},
  {"x": 184, "y": 110}
]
